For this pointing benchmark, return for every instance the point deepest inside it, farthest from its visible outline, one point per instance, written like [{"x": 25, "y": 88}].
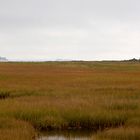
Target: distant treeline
[{"x": 133, "y": 60}]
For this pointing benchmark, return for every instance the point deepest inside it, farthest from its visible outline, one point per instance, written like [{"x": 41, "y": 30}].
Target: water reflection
[{"x": 67, "y": 135}]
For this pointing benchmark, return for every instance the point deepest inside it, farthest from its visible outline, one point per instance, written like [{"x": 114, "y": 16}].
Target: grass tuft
[{"x": 4, "y": 94}]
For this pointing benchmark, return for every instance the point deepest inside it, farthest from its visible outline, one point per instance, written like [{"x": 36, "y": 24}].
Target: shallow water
[{"x": 67, "y": 135}]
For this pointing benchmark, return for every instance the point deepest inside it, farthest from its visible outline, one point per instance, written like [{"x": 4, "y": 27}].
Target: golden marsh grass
[{"x": 70, "y": 95}]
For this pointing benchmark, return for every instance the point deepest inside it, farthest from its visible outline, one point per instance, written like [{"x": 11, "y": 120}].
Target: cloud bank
[{"x": 69, "y": 29}]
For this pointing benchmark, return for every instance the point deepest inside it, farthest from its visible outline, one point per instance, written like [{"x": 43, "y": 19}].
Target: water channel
[{"x": 67, "y": 135}]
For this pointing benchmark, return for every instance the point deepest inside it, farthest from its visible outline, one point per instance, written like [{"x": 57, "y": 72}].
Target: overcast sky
[{"x": 70, "y": 29}]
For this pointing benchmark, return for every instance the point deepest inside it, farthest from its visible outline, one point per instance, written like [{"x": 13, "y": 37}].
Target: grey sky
[{"x": 69, "y": 29}]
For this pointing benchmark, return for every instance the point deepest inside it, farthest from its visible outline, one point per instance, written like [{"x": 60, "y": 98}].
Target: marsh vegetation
[{"x": 99, "y": 96}]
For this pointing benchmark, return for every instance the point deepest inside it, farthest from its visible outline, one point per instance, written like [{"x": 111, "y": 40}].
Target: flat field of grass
[{"x": 102, "y": 96}]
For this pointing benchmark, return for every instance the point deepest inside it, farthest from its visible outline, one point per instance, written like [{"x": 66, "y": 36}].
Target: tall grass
[
  {"x": 11, "y": 129},
  {"x": 4, "y": 94},
  {"x": 122, "y": 133},
  {"x": 71, "y": 95}
]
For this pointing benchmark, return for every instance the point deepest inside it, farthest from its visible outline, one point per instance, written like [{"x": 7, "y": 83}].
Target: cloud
[{"x": 76, "y": 29}]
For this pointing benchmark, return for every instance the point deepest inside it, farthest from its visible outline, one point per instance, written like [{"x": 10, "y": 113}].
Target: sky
[{"x": 70, "y": 29}]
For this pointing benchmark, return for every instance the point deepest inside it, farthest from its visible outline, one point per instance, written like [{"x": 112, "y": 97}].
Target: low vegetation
[
  {"x": 99, "y": 96},
  {"x": 11, "y": 129},
  {"x": 4, "y": 94},
  {"x": 122, "y": 133}
]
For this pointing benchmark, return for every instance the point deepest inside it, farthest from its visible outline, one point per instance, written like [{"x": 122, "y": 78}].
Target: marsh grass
[
  {"x": 11, "y": 129},
  {"x": 122, "y": 133},
  {"x": 4, "y": 94},
  {"x": 99, "y": 96}
]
